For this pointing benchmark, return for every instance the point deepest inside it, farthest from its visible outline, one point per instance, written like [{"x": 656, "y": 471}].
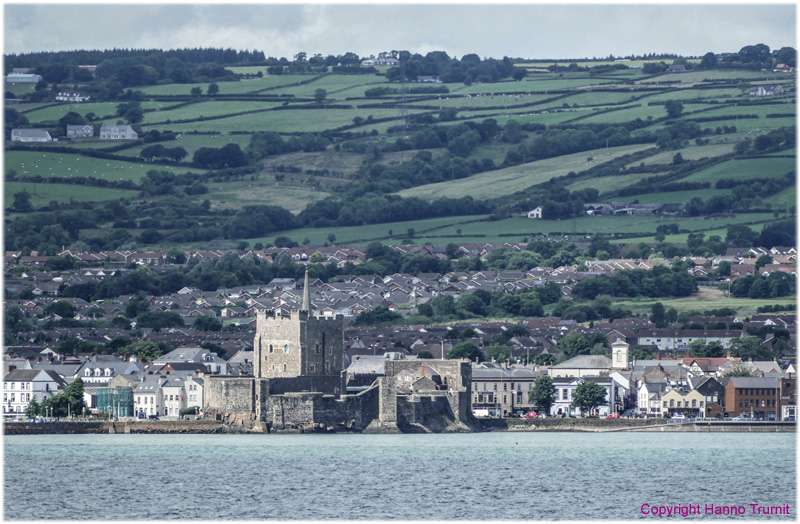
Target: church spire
[{"x": 306, "y": 300}]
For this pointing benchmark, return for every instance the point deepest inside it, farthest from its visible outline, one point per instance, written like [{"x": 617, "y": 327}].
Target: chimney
[
  {"x": 658, "y": 355},
  {"x": 728, "y": 355}
]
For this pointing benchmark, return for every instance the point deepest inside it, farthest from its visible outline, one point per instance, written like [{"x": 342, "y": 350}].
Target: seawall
[
  {"x": 27, "y": 428},
  {"x": 649, "y": 424},
  {"x": 550, "y": 424}
]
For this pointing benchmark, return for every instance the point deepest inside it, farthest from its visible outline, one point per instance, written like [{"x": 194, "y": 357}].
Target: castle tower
[
  {"x": 301, "y": 345},
  {"x": 619, "y": 354}
]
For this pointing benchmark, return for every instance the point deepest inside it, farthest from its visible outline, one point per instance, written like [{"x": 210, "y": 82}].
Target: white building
[
  {"x": 148, "y": 397},
  {"x": 173, "y": 396},
  {"x": 535, "y": 213},
  {"x": 20, "y": 386},
  {"x": 119, "y": 132},
  {"x": 30, "y": 135}
]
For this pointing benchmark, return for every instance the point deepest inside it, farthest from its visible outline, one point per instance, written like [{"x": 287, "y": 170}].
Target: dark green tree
[
  {"x": 543, "y": 393},
  {"x": 33, "y": 408},
  {"x": 674, "y": 108},
  {"x": 588, "y": 396},
  {"x": 466, "y": 350},
  {"x": 658, "y": 315},
  {"x": 213, "y": 89}
]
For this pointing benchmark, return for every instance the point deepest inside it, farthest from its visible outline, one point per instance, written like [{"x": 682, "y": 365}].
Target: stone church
[{"x": 298, "y": 384}]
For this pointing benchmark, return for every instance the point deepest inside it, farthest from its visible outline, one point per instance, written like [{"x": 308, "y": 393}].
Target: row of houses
[{"x": 107, "y": 132}]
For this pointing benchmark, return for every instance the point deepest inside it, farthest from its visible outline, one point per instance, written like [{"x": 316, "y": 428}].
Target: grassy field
[
  {"x": 206, "y": 109},
  {"x": 705, "y": 298},
  {"x": 289, "y": 120},
  {"x": 43, "y": 194},
  {"x": 228, "y": 88},
  {"x": 506, "y": 181},
  {"x": 336, "y": 86},
  {"x": 744, "y": 168},
  {"x": 101, "y": 109},
  {"x": 192, "y": 143},
  {"x": 264, "y": 191},
  {"x": 472, "y": 102},
  {"x": 29, "y": 163},
  {"x": 441, "y": 231}
]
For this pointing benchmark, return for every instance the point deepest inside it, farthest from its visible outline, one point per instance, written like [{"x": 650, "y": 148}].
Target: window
[
  {"x": 505, "y": 386},
  {"x": 495, "y": 386},
  {"x": 672, "y": 403},
  {"x": 311, "y": 367},
  {"x": 286, "y": 348},
  {"x": 316, "y": 348},
  {"x": 285, "y": 368},
  {"x": 694, "y": 403},
  {"x": 270, "y": 348},
  {"x": 665, "y": 404},
  {"x": 763, "y": 404}
]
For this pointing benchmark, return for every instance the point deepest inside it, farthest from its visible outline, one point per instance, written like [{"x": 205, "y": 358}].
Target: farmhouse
[
  {"x": 766, "y": 90},
  {"x": 30, "y": 135},
  {"x": 119, "y": 132},
  {"x": 676, "y": 68},
  {"x": 535, "y": 213},
  {"x": 23, "y": 79},
  {"x": 85, "y": 131}
]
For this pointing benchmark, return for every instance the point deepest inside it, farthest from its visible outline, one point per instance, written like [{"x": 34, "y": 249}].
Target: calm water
[{"x": 491, "y": 476}]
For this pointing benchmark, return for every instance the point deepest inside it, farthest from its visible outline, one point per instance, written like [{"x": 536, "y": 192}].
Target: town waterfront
[{"x": 484, "y": 476}]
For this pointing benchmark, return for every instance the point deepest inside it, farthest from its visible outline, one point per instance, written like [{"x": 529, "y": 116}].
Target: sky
[{"x": 518, "y": 30}]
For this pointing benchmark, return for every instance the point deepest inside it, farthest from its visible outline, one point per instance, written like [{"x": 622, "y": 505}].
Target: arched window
[
  {"x": 694, "y": 403},
  {"x": 286, "y": 348},
  {"x": 285, "y": 368},
  {"x": 672, "y": 403},
  {"x": 270, "y": 348}
]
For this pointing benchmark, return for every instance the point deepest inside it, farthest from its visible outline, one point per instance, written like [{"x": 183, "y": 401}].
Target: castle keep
[{"x": 299, "y": 383}]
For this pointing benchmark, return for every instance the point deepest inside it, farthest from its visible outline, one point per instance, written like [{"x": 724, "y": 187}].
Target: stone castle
[{"x": 299, "y": 384}]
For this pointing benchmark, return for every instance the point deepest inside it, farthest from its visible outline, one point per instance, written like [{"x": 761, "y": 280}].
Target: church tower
[
  {"x": 619, "y": 354},
  {"x": 301, "y": 345}
]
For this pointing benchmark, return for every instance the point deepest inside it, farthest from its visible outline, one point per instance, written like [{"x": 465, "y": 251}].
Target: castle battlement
[{"x": 296, "y": 314}]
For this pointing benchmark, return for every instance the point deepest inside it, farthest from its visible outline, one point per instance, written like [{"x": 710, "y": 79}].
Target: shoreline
[{"x": 495, "y": 425}]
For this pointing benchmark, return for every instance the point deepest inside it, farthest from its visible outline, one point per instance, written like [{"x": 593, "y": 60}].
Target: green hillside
[{"x": 306, "y": 150}]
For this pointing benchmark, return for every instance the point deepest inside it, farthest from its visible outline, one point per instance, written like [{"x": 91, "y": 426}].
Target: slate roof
[{"x": 585, "y": 362}]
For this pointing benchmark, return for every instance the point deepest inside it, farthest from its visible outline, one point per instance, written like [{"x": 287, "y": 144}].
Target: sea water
[{"x": 482, "y": 476}]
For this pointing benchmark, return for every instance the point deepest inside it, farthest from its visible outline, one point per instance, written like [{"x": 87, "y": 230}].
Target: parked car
[
  {"x": 153, "y": 417},
  {"x": 613, "y": 415},
  {"x": 530, "y": 414}
]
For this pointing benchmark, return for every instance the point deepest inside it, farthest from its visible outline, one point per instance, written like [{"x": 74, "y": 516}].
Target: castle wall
[
  {"x": 298, "y": 345},
  {"x": 294, "y": 411}
]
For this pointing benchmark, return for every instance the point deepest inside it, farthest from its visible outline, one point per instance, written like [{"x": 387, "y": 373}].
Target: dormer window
[
  {"x": 88, "y": 373},
  {"x": 108, "y": 372}
]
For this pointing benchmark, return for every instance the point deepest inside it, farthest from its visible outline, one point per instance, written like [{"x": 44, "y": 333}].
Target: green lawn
[
  {"x": 494, "y": 184},
  {"x": 29, "y": 163},
  {"x": 43, "y": 194}
]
